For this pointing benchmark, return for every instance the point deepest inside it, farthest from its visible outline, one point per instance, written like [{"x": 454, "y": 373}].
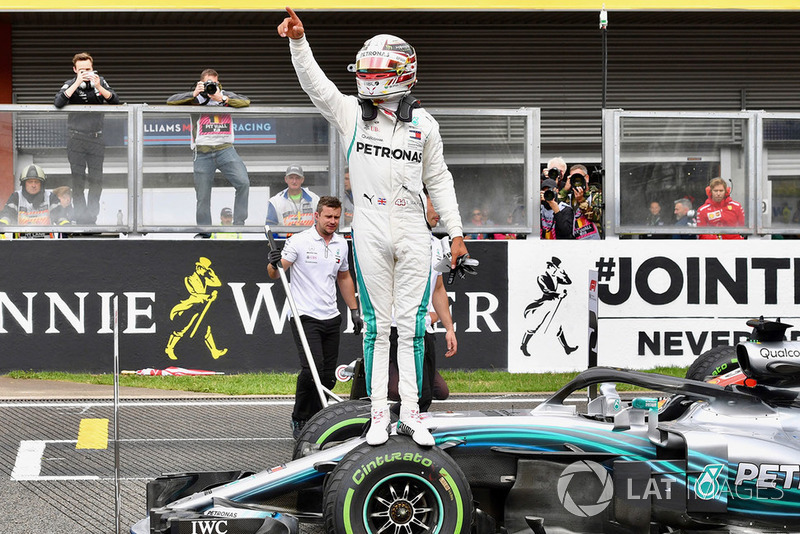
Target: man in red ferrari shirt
[{"x": 720, "y": 210}]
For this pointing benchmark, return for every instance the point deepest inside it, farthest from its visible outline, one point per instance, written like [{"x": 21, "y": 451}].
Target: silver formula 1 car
[{"x": 685, "y": 455}]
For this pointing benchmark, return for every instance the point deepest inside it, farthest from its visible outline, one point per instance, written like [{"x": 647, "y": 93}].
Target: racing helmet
[
  {"x": 32, "y": 172},
  {"x": 386, "y": 65}
]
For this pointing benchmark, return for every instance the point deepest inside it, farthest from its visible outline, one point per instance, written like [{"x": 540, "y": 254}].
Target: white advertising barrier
[{"x": 661, "y": 302}]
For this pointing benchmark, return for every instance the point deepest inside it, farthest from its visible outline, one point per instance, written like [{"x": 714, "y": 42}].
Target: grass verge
[{"x": 476, "y": 381}]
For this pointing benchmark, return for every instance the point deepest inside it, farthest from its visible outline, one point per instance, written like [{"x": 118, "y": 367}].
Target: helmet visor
[{"x": 376, "y": 67}]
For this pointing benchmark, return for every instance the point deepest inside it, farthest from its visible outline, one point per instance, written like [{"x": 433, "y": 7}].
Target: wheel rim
[{"x": 403, "y": 503}]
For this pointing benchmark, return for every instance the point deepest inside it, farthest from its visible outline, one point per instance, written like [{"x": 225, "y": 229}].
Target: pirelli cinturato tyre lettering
[
  {"x": 714, "y": 362},
  {"x": 398, "y": 487}
]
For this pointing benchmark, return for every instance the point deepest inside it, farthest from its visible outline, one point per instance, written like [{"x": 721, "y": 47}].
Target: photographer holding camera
[
  {"x": 586, "y": 201},
  {"x": 212, "y": 143},
  {"x": 556, "y": 170},
  {"x": 86, "y": 148},
  {"x": 556, "y": 216}
]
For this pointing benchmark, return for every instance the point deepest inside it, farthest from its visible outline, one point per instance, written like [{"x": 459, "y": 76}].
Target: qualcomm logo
[
  {"x": 603, "y": 500},
  {"x": 707, "y": 485}
]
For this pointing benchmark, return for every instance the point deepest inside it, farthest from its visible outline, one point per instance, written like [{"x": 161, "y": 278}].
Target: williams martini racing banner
[{"x": 207, "y": 304}]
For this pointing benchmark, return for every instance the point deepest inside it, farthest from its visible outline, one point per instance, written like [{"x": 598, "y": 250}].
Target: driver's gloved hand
[{"x": 464, "y": 266}]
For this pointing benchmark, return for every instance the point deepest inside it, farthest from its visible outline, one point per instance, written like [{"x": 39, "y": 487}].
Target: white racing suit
[{"x": 389, "y": 161}]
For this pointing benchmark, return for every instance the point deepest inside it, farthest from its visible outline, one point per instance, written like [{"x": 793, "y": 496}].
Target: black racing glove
[
  {"x": 358, "y": 322},
  {"x": 464, "y": 266},
  {"x": 274, "y": 258}
]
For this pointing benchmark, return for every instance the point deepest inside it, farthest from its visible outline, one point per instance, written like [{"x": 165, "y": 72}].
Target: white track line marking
[
  {"x": 28, "y": 465},
  {"x": 29, "y": 460}
]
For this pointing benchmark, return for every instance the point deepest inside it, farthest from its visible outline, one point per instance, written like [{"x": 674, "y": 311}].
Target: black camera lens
[
  {"x": 577, "y": 180},
  {"x": 553, "y": 174},
  {"x": 210, "y": 87},
  {"x": 549, "y": 195}
]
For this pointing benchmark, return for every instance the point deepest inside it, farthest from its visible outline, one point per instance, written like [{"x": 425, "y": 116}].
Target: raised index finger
[{"x": 292, "y": 14}]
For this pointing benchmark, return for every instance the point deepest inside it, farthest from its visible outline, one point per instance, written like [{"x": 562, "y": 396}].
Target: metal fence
[
  {"x": 148, "y": 184},
  {"x": 651, "y": 160}
]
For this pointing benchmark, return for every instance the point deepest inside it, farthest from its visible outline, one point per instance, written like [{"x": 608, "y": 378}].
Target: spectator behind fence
[
  {"x": 477, "y": 218},
  {"x": 295, "y": 205},
  {"x": 684, "y": 217},
  {"x": 86, "y": 147},
  {"x": 786, "y": 214},
  {"x": 654, "y": 218},
  {"x": 556, "y": 215},
  {"x": 720, "y": 210},
  {"x": 64, "y": 194},
  {"x": 212, "y": 143},
  {"x": 226, "y": 219},
  {"x": 586, "y": 201},
  {"x": 32, "y": 204}
]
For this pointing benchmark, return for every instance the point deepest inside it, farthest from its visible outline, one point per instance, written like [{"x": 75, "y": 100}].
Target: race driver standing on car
[{"x": 393, "y": 149}]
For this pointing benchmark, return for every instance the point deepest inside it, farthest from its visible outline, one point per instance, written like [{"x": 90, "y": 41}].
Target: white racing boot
[
  {"x": 378, "y": 432},
  {"x": 410, "y": 424}
]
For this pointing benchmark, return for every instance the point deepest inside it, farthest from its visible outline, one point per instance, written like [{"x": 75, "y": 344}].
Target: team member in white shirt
[{"x": 317, "y": 258}]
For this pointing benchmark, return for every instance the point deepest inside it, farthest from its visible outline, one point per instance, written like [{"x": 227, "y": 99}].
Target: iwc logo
[{"x": 603, "y": 500}]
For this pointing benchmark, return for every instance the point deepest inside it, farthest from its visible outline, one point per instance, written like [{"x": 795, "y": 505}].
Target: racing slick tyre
[
  {"x": 715, "y": 362},
  {"x": 397, "y": 487},
  {"x": 337, "y": 422}
]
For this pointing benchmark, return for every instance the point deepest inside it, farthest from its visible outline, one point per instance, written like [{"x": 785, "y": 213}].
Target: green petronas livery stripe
[
  {"x": 370, "y": 323},
  {"x": 419, "y": 334}
]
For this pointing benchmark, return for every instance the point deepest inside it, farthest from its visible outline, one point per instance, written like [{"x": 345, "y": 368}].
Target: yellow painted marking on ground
[{"x": 93, "y": 434}]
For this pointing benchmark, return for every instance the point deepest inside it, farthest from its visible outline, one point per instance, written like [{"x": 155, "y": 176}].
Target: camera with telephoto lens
[
  {"x": 577, "y": 180},
  {"x": 549, "y": 195},
  {"x": 210, "y": 87},
  {"x": 88, "y": 84},
  {"x": 553, "y": 174}
]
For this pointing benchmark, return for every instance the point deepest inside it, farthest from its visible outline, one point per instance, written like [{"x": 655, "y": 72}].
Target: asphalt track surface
[{"x": 57, "y": 470}]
